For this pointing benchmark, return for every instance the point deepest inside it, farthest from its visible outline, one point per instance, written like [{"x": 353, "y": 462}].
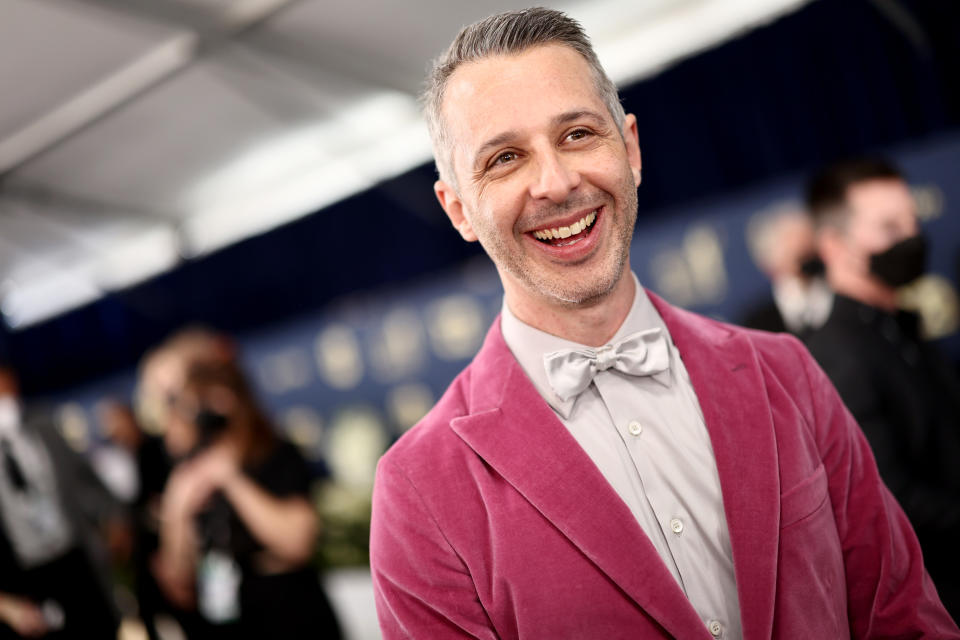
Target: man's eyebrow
[
  {"x": 570, "y": 116},
  {"x": 495, "y": 141},
  {"x": 507, "y": 136}
]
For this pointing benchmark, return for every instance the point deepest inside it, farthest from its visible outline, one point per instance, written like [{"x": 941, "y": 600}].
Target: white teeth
[{"x": 565, "y": 232}]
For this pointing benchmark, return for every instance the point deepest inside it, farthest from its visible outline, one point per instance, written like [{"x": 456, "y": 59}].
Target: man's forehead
[
  {"x": 882, "y": 193},
  {"x": 875, "y": 201},
  {"x": 485, "y": 96}
]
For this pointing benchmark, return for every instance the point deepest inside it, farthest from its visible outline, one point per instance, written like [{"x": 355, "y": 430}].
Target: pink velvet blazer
[{"x": 490, "y": 521}]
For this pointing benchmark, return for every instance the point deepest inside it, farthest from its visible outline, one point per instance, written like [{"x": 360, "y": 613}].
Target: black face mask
[
  {"x": 902, "y": 263},
  {"x": 210, "y": 423},
  {"x": 812, "y": 266}
]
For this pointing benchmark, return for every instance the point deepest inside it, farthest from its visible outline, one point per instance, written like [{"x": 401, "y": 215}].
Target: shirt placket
[
  {"x": 647, "y": 439},
  {"x": 636, "y": 431}
]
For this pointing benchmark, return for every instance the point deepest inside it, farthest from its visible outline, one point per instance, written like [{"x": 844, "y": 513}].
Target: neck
[
  {"x": 592, "y": 324},
  {"x": 865, "y": 289}
]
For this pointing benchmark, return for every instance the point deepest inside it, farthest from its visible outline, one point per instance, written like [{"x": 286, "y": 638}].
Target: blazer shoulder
[
  {"x": 769, "y": 345},
  {"x": 778, "y": 353},
  {"x": 784, "y": 355},
  {"x": 781, "y": 355},
  {"x": 787, "y": 363},
  {"x": 432, "y": 437}
]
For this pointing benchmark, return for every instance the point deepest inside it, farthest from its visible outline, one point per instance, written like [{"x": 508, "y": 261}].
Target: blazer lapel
[
  {"x": 726, "y": 376},
  {"x": 510, "y": 425}
]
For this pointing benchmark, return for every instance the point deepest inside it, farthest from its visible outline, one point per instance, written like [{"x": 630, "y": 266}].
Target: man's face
[
  {"x": 882, "y": 213},
  {"x": 162, "y": 386},
  {"x": 792, "y": 241},
  {"x": 535, "y": 150}
]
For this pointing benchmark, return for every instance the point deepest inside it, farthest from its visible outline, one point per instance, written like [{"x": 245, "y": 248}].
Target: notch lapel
[
  {"x": 730, "y": 387},
  {"x": 512, "y": 424}
]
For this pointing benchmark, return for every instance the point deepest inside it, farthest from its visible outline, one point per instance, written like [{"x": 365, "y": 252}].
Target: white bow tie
[{"x": 644, "y": 353}]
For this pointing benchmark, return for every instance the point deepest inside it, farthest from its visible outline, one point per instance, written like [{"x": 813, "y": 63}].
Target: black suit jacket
[
  {"x": 763, "y": 314},
  {"x": 907, "y": 401},
  {"x": 85, "y": 500}
]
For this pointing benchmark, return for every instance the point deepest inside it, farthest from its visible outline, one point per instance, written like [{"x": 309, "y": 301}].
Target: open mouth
[{"x": 567, "y": 235}]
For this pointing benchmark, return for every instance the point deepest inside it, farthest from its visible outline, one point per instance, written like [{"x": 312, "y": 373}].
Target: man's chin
[
  {"x": 584, "y": 298},
  {"x": 588, "y": 291}
]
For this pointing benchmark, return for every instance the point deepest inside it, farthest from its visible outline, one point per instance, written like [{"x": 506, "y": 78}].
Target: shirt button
[
  {"x": 716, "y": 629},
  {"x": 635, "y": 428},
  {"x": 676, "y": 525}
]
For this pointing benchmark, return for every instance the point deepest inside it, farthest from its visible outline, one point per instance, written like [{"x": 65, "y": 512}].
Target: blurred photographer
[
  {"x": 160, "y": 382},
  {"x": 237, "y": 530}
]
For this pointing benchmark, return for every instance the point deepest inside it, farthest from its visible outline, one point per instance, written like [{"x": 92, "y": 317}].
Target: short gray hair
[{"x": 511, "y": 32}]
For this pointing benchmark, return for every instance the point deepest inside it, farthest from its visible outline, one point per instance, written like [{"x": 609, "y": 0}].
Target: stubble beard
[{"x": 567, "y": 291}]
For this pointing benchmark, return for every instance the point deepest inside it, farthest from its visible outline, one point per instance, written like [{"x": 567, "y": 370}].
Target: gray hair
[{"x": 511, "y": 32}]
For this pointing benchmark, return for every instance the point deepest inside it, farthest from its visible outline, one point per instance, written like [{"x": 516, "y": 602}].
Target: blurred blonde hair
[{"x": 163, "y": 371}]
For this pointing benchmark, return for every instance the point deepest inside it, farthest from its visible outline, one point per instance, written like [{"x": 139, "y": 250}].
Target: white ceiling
[{"x": 136, "y": 133}]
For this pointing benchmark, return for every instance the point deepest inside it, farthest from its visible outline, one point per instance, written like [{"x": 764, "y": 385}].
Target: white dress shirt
[
  {"x": 32, "y": 516},
  {"x": 651, "y": 444}
]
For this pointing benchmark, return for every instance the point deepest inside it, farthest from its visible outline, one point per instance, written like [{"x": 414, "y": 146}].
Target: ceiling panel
[
  {"x": 52, "y": 50},
  {"x": 136, "y": 132},
  {"x": 153, "y": 153},
  {"x": 385, "y": 43}
]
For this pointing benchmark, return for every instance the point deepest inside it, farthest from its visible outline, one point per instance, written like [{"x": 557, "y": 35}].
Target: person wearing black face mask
[
  {"x": 782, "y": 245},
  {"x": 904, "y": 395},
  {"x": 52, "y": 506}
]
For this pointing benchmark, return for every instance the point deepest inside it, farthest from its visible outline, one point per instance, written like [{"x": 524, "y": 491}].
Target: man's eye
[
  {"x": 505, "y": 157},
  {"x": 578, "y": 134}
]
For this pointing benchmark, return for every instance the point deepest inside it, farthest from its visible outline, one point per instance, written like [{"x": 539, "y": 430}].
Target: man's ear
[
  {"x": 452, "y": 205},
  {"x": 830, "y": 245},
  {"x": 632, "y": 141}
]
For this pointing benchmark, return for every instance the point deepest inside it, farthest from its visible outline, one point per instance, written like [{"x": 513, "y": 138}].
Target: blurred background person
[
  {"x": 782, "y": 246},
  {"x": 135, "y": 466},
  {"x": 238, "y": 530},
  {"x": 904, "y": 395},
  {"x": 161, "y": 379},
  {"x": 52, "y": 510},
  {"x": 115, "y": 461},
  {"x": 163, "y": 372}
]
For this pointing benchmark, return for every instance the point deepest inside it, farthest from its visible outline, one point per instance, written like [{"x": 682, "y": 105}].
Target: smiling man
[{"x": 610, "y": 466}]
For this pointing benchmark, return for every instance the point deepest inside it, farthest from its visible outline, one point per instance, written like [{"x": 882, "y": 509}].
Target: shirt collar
[{"x": 529, "y": 344}]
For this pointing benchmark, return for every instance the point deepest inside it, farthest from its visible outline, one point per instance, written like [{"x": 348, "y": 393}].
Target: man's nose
[{"x": 554, "y": 179}]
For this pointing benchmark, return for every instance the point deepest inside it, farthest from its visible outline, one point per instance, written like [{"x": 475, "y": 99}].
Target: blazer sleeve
[
  {"x": 422, "y": 587},
  {"x": 889, "y": 593}
]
